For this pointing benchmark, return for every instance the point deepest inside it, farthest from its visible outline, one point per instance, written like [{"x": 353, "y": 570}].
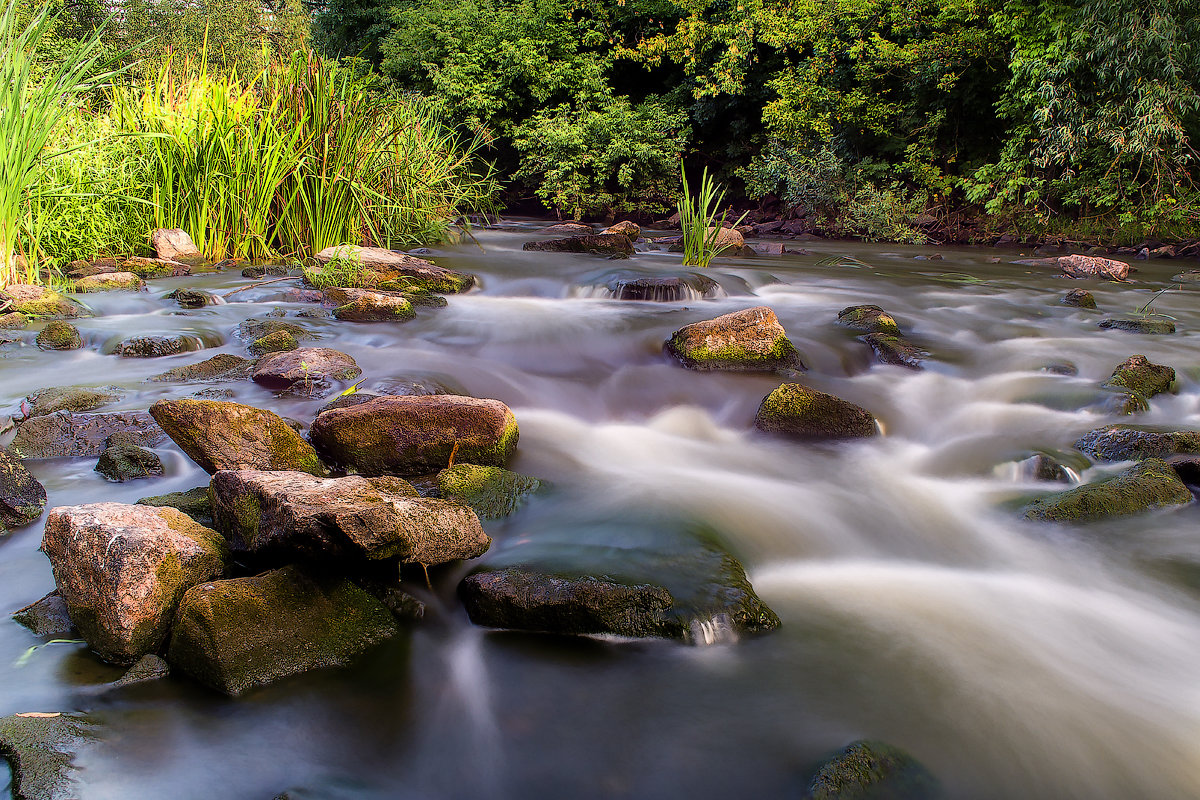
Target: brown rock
[
  {"x": 803, "y": 413},
  {"x": 219, "y": 435},
  {"x": 316, "y": 518},
  {"x": 610, "y": 243},
  {"x": 22, "y": 497},
  {"x": 66, "y": 435},
  {"x": 388, "y": 265},
  {"x": 729, "y": 241},
  {"x": 627, "y": 228},
  {"x": 307, "y": 370},
  {"x": 155, "y": 267},
  {"x": 122, "y": 569},
  {"x": 1080, "y": 266},
  {"x": 744, "y": 341},
  {"x": 39, "y": 301},
  {"x": 411, "y": 435},
  {"x": 170, "y": 243},
  {"x": 364, "y": 305},
  {"x": 570, "y": 229}
]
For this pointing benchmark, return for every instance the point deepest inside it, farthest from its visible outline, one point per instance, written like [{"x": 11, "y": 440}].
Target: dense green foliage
[{"x": 872, "y": 117}]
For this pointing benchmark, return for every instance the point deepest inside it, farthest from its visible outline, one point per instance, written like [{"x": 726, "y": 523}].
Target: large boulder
[
  {"x": 1141, "y": 377},
  {"x": 39, "y": 301},
  {"x": 307, "y": 371},
  {"x": 219, "y": 435},
  {"x": 66, "y": 435},
  {"x": 122, "y": 569},
  {"x": 624, "y": 227},
  {"x": 1154, "y": 327},
  {"x": 236, "y": 635},
  {"x": 382, "y": 266},
  {"x": 364, "y": 305},
  {"x": 870, "y": 319},
  {"x": 803, "y": 413},
  {"x": 412, "y": 435},
  {"x": 867, "y": 769},
  {"x": 173, "y": 243},
  {"x": 744, "y": 341},
  {"x": 1120, "y": 443},
  {"x": 109, "y": 282},
  {"x": 298, "y": 515},
  {"x": 571, "y": 229},
  {"x": 22, "y": 497},
  {"x": 492, "y": 492},
  {"x": 40, "y": 748},
  {"x": 1147, "y": 485},
  {"x": 599, "y": 243},
  {"x": 221, "y": 367},
  {"x": 728, "y": 241},
  {"x": 76, "y": 399},
  {"x": 59, "y": 335}
]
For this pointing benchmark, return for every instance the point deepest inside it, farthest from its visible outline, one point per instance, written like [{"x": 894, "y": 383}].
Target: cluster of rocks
[
  {"x": 882, "y": 334},
  {"x": 618, "y": 241}
]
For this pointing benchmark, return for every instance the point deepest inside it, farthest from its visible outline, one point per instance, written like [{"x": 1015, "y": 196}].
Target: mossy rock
[
  {"x": 751, "y": 340},
  {"x": 596, "y": 243},
  {"x": 1139, "y": 376},
  {"x": 40, "y": 749},
  {"x": 252, "y": 330},
  {"x": 66, "y": 435},
  {"x": 109, "y": 282},
  {"x": 803, "y": 413},
  {"x": 1148, "y": 485},
  {"x": 263, "y": 270},
  {"x": 236, "y": 635},
  {"x": 76, "y": 399},
  {"x": 868, "y": 770},
  {"x": 149, "y": 268},
  {"x": 492, "y": 492},
  {"x": 47, "y": 618},
  {"x": 221, "y": 367},
  {"x": 1079, "y": 298},
  {"x": 895, "y": 350},
  {"x": 870, "y": 319},
  {"x": 416, "y": 295},
  {"x": 277, "y": 342},
  {"x": 128, "y": 462},
  {"x": 22, "y": 497},
  {"x": 59, "y": 335},
  {"x": 196, "y": 503},
  {"x": 1122, "y": 443},
  {"x": 12, "y": 321},
  {"x": 157, "y": 346},
  {"x": 40, "y": 302},
  {"x": 1144, "y": 325},
  {"x": 149, "y": 667},
  {"x": 192, "y": 298}
]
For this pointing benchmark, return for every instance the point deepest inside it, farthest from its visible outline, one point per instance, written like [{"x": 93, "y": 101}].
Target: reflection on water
[{"x": 1016, "y": 661}]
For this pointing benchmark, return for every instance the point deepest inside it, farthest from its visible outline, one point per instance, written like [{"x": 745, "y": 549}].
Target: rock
[
  {"x": 193, "y": 298},
  {"x": 871, "y": 319},
  {"x": 219, "y": 435},
  {"x": 22, "y": 497},
  {"x": 221, "y": 367},
  {"x": 39, "y": 301},
  {"x": 744, "y": 341},
  {"x": 1119, "y": 443},
  {"x": 697, "y": 593},
  {"x": 419, "y": 386},
  {"x": 1152, "y": 326},
  {"x": 895, "y": 350},
  {"x": 1080, "y": 298},
  {"x": 625, "y": 227},
  {"x": 170, "y": 243},
  {"x": 263, "y": 270},
  {"x": 386, "y": 265},
  {"x": 599, "y": 244},
  {"x": 214, "y": 394},
  {"x": 194, "y": 502},
  {"x": 571, "y": 229},
  {"x": 58, "y": 335},
  {"x": 306, "y": 371},
  {"x": 12, "y": 321},
  {"x": 156, "y": 346},
  {"x": 867, "y": 769},
  {"x": 155, "y": 267},
  {"x": 411, "y": 435},
  {"x": 84, "y": 269},
  {"x": 362, "y": 305},
  {"x": 1138, "y": 375},
  {"x": 236, "y": 635},
  {"x": 253, "y": 329},
  {"x": 728, "y": 241},
  {"x": 147, "y": 668},
  {"x": 800, "y": 412},
  {"x": 71, "y": 398},
  {"x": 493, "y": 492},
  {"x": 1187, "y": 468},
  {"x": 1149, "y": 484},
  {"x": 47, "y": 618},
  {"x": 40, "y": 748},
  {"x": 278, "y": 342},
  {"x": 417, "y": 296},
  {"x": 110, "y": 281},
  {"x": 128, "y": 462},
  {"x": 768, "y": 248},
  {"x": 1079, "y": 266},
  {"x": 122, "y": 569},
  {"x": 1061, "y": 368},
  {"x": 293, "y": 514},
  {"x": 667, "y": 289},
  {"x": 66, "y": 435},
  {"x": 347, "y": 400}
]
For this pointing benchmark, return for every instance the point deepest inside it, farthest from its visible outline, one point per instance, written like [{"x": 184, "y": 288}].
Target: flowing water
[{"x": 1015, "y": 660}]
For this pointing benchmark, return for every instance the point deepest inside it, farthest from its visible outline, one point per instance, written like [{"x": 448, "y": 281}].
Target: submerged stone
[
  {"x": 869, "y": 770},
  {"x": 277, "y": 342},
  {"x": 413, "y": 435},
  {"x": 240, "y": 634},
  {"x": 1149, "y": 326},
  {"x": 1119, "y": 443},
  {"x": 363, "y": 305},
  {"x": 22, "y": 497},
  {"x": 59, "y": 335},
  {"x": 121, "y": 570},
  {"x": 895, "y": 350},
  {"x": 492, "y": 491},
  {"x": 1079, "y": 298},
  {"x": 223, "y": 366},
  {"x": 71, "y": 398},
  {"x": 110, "y": 282},
  {"x": 157, "y": 346},
  {"x": 660, "y": 289},
  {"x": 66, "y": 435},
  {"x": 192, "y": 298},
  {"x": 598, "y": 243},
  {"x": 147, "y": 668},
  {"x": 803, "y": 413},
  {"x": 194, "y": 502},
  {"x": 219, "y": 435},
  {"x": 1150, "y": 484},
  {"x": 40, "y": 748},
  {"x": 751, "y": 340},
  {"x": 571, "y": 229},
  {"x": 128, "y": 462},
  {"x": 254, "y": 329},
  {"x": 870, "y": 319}
]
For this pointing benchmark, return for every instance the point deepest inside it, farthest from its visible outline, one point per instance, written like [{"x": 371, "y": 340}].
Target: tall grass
[
  {"x": 30, "y": 111},
  {"x": 698, "y": 219}
]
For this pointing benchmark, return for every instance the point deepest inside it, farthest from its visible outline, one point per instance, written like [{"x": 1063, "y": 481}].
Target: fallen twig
[{"x": 259, "y": 283}]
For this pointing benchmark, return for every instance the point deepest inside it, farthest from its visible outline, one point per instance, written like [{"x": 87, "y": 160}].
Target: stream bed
[{"x": 918, "y": 607}]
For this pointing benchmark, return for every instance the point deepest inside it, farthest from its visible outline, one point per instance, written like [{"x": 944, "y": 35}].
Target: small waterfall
[{"x": 717, "y": 629}]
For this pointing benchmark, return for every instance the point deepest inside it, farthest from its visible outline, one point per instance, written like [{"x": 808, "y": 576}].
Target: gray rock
[
  {"x": 194, "y": 502},
  {"x": 156, "y": 346},
  {"x": 867, "y": 770},
  {"x": 147, "y": 668},
  {"x": 66, "y": 435},
  {"x": 47, "y": 618},
  {"x": 221, "y": 367},
  {"x": 128, "y": 462},
  {"x": 76, "y": 399},
  {"x": 1149, "y": 326},
  {"x": 601, "y": 243},
  {"x": 895, "y": 350},
  {"x": 1122, "y": 443}
]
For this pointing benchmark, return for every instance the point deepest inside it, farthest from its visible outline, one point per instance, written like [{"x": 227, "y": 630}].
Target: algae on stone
[
  {"x": 870, "y": 319},
  {"x": 869, "y": 770},
  {"x": 1150, "y": 484},
  {"x": 1119, "y": 443},
  {"x": 71, "y": 398},
  {"x": 22, "y": 496},
  {"x": 492, "y": 491},
  {"x": 222, "y": 366},
  {"x": 1141, "y": 377},
  {"x": 40, "y": 749},
  {"x": 800, "y": 412},
  {"x": 196, "y": 503},
  {"x": 59, "y": 335}
]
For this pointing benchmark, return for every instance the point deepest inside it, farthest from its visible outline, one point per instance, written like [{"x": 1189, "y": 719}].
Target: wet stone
[
  {"x": 71, "y": 398},
  {"x": 221, "y": 367},
  {"x": 128, "y": 462},
  {"x": 870, "y": 319},
  {"x": 22, "y": 497},
  {"x": 66, "y": 435},
  {"x": 1079, "y": 298},
  {"x": 40, "y": 748},
  {"x": 58, "y": 335},
  {"x": 895, "y": 350},
  {"x": 1122, "y": 443},
  {"x": 47, "y": 618},
  {"x": 156, "y": 346},
  {"x": 869, "y": 770},
  {"x": 1148, "y": 485},
  {"x": 803, "y": 413},
  {"x": 1147, "y": 326},
  {"x": 196, "y": 503}
]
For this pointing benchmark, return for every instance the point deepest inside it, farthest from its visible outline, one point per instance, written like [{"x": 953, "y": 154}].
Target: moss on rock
[
  {"x": 13, "y": 321},
  {"x": 492, "y": 492},
  {"x": 59, "y": 335},
  {"x": 277, "y": 342},
  {"x": 1138, "y": 375},
  {"x": 75, "y": 399},
  {"x": 1148, "y": 485},
  {"x": 223, "y": 366},
  {"x": 744, "y": 341},
  {"x": 1143, "y": 325},
  {"x": 22, "y": 497},
  {"x": 1079, "y": 298},
  {"x": 868, "y": 770},
  {"x": 196, "y": 503},
  {"x": 800, "y": 412},
  {"x": 868, "y": 318},
  {"x": 895, "y": 350},
  {"x": 128, "y": 462},
  {"x": 40, "y": 749},
  {"x": 40, "y": 302}
]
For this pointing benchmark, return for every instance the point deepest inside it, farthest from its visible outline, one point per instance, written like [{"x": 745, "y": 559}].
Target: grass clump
[{"x": 699, "y": 221}]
